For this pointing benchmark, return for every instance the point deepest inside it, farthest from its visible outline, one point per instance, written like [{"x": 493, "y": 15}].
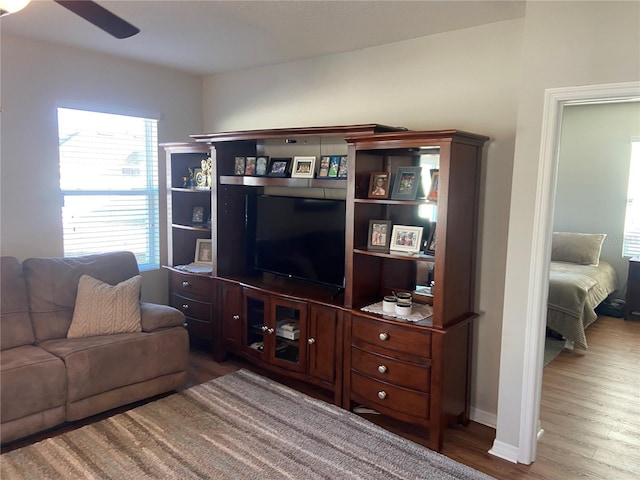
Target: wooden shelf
[
  {"x": 420, "y": 257},
  {"x": 283, "y": 182},
  {"x": 394, "y": 202},
  {"x": 195, "y": 228},
  {"x": 191, "y": 190}
]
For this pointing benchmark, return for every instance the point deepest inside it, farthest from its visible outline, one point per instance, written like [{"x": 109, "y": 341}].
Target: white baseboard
[
  {"x": 505, "y": 451},
  {"x": 483, "y": 417}
]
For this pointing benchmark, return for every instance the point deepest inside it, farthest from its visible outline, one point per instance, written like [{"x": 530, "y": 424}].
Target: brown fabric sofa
[{"x": 47, "y": 379}]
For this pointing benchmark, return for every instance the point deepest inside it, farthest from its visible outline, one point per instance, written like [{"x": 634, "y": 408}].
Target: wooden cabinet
[
  {"x": 632, "y": 301},
  {"x": 229, "y": 295},
  {"x": 192, "y": 294},
  {"x": 415, "y": 372}
]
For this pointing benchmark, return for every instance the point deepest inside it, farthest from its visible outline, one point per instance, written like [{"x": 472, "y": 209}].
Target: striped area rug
[{"x": 239, "y": 426}]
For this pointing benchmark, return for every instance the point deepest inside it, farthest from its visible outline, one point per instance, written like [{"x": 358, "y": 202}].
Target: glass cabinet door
[
  {"x": 255, "y": 329},
  {"x": 290, "y": 337}
]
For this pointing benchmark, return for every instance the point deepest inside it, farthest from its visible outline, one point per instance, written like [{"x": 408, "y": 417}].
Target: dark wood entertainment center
[{"x": 414, "y": 372}]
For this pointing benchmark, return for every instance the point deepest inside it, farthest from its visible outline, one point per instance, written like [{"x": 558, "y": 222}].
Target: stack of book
[{"x": 287, "y": 328}]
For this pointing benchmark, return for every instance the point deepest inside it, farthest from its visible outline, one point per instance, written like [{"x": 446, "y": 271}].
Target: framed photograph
[
  {"x": 433, "y": 190},
  {"x": 250, "y": 166},
  {"x": 405, "y": 238},
  {"x": 323, "y": 170},
  {"x": 407, "y": 183},
  {"x": 334, "y": 166},
  {"x": 303, "y": 167},
  {"x": 239, "y": 166},
  {"x": 379, "y": 185},
  {"x": 262, "y": 163},
  {"x": 204, "y": 252},
  {"x": 431, "y": 240},
  {"x": 342, "y": 167},
  {"x": 279, "y": 167},
  {"x": 379, "y": 235},
  {"x": 197, "y": 215}
]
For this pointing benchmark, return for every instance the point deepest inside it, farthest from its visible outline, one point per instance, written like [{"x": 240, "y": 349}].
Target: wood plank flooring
[{"x": 590, "y": 411}]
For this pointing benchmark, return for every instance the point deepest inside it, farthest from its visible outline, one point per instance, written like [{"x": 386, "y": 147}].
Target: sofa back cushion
[
  {"x": 52, "y": 284},
  {"x": 15, "y": 321}
]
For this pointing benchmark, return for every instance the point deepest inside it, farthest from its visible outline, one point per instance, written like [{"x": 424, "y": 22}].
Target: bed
[{"x": 578, "y": 282}]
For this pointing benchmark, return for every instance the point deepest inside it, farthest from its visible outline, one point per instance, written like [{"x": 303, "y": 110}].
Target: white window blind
[
  {"x": 109, "y": 183},
  {"x": 631, "y": 243}
]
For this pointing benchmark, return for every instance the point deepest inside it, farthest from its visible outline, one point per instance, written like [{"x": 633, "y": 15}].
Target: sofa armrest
[{"x": 154, "y": 316}]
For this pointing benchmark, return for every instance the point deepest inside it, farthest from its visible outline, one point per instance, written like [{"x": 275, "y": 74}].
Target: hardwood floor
[{"x": 590, "y": 411}]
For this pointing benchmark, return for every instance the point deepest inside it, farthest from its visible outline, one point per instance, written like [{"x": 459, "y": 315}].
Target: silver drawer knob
[
  {"x": 270, "y": 330},
  {"x": 382, "y": 368},
  {"x": 383, "y": 336},
  {"x": 311, "y": 341},
  {"x": 264, "y": 328},
  {"x": 236, "y": 317},
  {"x": 185, "y": 306},
  {"x": 382, "y": 394},
  {"x": 185, "y": 284}
]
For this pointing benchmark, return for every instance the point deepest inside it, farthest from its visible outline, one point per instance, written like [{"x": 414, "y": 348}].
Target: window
[
  {"x": 109, "y": 184},
  {"x": 631, "y": 243}
]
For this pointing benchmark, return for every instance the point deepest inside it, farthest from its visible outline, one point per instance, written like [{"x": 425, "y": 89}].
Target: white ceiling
[{"x": 211, "y": 36}]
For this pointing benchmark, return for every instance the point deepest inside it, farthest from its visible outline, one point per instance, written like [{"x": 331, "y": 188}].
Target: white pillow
[
  {"x": 580, "y": 248},
  {"x": 103, "y": 309}
]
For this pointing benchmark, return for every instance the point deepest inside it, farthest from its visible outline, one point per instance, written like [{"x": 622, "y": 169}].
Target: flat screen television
[{"x": 300, "y": 238}]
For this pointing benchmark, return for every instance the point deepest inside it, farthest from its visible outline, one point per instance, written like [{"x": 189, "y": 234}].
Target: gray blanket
[{"x": 574, "y": 293}]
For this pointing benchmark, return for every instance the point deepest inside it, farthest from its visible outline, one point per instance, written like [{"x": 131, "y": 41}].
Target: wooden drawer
[
  {"x": 395, "y": 398},
  {"x": 199, "y": 328},
  {"x": 192, "y": 308},
  {"x": 399, "y": 338},
  {"x": 387, "y": 369},
  {"x": 191, "y": 286}
]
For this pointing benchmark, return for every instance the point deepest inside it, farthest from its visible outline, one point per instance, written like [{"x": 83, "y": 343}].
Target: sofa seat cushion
[
  {"x": 33, "y": 380},
  {"x": 99, "y": 364},
  {"x": 103, "y": 309}
]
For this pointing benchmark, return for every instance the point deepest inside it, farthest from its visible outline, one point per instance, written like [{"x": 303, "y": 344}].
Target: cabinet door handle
[
  {"x": 382, "y": 368},
  {"x": 264, "y": 328},
  {"x": 382, "y": 394},
  {"x": 185, "y": 284},
  {"x": 185, "y": 306},
  {"x": 270, "y": 330},
  {"x": 383, "y": 336},
  {"x": 311, "y": 341},
  {"x": 236, "y": 317}
]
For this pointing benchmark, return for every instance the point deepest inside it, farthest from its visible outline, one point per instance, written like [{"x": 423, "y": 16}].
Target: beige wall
[
  {"x": 565, "y": 44},
  {"x": 593, "y": 175},
  {"x": 36, "y": 79},
  {"x": 465, "y": 79}
]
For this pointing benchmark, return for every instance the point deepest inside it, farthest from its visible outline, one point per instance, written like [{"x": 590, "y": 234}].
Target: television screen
[{"x": 300, "y": 238}]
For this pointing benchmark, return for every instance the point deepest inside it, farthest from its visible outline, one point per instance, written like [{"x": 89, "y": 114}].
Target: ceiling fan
[{"x": 87, "y": 9}]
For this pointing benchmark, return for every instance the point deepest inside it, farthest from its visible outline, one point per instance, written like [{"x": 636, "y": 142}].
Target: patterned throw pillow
[{"x": 103, "y": 309}]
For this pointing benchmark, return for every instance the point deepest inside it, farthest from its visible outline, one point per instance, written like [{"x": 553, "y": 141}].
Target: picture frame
[
  {"x": 407, "y": 183},
  {"x": 239, "y": 166},
  {"x": 279, "y": 167},
  {"x": 250, "y": 166},
  {"x": 197, "y": 215},
  {"x": 342, "y": 167},
  {"x": 204, "y": 252},
  {"x": 379, "y": 236},
  {"x": 334, "y": 166},
  {"x": 303, "y": 167},
  {"x": 379, "y": 185},
  {"x": 430, "y": 247},
  {"x": 433, "y": 189},
  {"x": 262, "y": 164},
  {"x": 406, "y": 238},
  {"x": 323, "y": 168}
]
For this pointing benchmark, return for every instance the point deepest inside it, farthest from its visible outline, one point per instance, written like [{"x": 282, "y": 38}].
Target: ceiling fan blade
[{"x": 100, "y": 17}]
